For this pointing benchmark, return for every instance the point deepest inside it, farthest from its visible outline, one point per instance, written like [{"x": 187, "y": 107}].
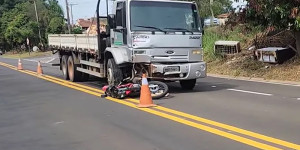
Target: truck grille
[{"x": 170, "y": 58}]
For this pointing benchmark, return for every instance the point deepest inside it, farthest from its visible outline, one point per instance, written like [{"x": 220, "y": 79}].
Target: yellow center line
[
  {"x": 228, "y": 127},
  {"x": 97, "y": 92},
  {"x": 199, "y": 126},
  {"x": 214, "y": 123},
  {"x": 55, "y": 80}
]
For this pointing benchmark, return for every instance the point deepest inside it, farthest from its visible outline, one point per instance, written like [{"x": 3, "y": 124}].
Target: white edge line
[
  {"x": 251, "y": 92},
  {"x": 30, "y": 60},
  {"x": 57, "y": 123},
  {"x": 50, "y": 60},
  {"x": 33, "y": 60},
  {"x": 252, "y": 80}
]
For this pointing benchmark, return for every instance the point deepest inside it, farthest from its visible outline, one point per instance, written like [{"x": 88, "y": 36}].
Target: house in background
[
  {"x": 238, "y": 5},
  {"x": 223, "y": 18},
  {"x": 89, "y": 26},
  {"x": 207, "y": 21}
]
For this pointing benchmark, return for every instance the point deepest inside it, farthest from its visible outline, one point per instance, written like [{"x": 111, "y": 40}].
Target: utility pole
[
  {"x": 212, "y": 13},
  {"x": 68, "y": 16},
  {"x": 37, "y": 20},
  {"x": 72, "y": 12}
]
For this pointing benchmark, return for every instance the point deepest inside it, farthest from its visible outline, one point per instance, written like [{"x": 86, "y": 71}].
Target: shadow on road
[
  {"x": 174, "y": 87},
  {"x": 200, "y": 87}
]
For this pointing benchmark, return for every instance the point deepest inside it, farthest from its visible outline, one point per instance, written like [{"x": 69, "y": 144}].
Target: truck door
[{"x": 121, "y": 30}]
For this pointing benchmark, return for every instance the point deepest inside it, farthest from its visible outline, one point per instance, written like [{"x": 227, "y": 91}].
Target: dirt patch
[{"x": 244, "y": 65}]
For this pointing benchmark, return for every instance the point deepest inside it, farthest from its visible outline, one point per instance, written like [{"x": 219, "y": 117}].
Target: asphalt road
[{"x": 37, "y": 113}]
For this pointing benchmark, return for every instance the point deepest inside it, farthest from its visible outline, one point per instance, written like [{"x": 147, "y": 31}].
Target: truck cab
[
  {"x": 159, "y": 38},
  {"x": 163, "y": 38}
]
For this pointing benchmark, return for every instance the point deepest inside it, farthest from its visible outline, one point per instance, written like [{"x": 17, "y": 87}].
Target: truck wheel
[
  {"x": 74, "y": 75},
  {"x": 64, "y": 67},
  {"x": 114, "y": 73},
  {"x": 188, "y": 84}
]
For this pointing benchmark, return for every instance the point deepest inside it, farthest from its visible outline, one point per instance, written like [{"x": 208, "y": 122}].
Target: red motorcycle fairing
[{"x": 119, "y": 91}]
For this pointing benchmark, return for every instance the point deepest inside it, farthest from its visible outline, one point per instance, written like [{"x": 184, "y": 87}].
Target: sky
[
  {"x": 87, "y": 8},
  {"x": 84, "y": 8}
]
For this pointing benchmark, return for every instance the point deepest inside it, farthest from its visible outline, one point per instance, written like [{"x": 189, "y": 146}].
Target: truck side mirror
[
  {"x": 111, "y": 21},
  {"x": 121, "y": 29},
  {"x": 202, "y": 25}
]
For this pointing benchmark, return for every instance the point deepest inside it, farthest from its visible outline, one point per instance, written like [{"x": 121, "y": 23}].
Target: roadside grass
[
  {"x": 243, "y": 64},
  {"x": 26, "y": 55}
]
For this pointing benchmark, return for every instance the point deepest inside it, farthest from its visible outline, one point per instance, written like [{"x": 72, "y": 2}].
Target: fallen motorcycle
[{"x": 158, "y": 90}]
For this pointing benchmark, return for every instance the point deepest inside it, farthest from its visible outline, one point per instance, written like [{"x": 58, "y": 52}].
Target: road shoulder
[{"x": 261, "y": 80}]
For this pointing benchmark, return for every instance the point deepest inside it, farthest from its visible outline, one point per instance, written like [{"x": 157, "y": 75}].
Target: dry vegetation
[{"x": 243, "y": 64}]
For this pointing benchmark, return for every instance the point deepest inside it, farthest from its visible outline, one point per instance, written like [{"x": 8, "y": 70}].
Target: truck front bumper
[{"x": 186, "y": 71}]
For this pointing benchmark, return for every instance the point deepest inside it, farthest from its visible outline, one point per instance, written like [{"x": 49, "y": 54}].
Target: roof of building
[
  {"x": 85, "y": 23},
  {"x": 89, "y": 22}
]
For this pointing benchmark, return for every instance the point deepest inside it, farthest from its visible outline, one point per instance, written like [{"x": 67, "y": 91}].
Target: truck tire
[
  {"x": 64, "y": 67},
  {"x": 188, "y": 84},
  {"x": 114, "y": 73},
  {"x": 74, "y": 75}
]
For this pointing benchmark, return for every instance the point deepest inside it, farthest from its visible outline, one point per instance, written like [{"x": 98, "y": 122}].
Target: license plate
[{"x": 172, "y": 69}]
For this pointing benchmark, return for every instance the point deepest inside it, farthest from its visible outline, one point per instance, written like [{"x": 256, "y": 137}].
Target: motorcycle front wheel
[{"x": 158, "y": 89}]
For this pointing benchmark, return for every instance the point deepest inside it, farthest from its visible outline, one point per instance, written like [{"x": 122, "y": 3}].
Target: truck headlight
[
  {"x": 202, "y": 67},
  {"x": 197, "y": 52}
]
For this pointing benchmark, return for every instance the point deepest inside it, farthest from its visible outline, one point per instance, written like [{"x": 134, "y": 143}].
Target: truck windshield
[{"x": 167, "y": 16}]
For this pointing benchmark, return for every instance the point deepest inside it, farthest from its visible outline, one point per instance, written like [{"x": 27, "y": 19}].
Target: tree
[
  {"x": 56, "y": 25},
  {"x": 219, "y": 7},
  {"x": 11, "y": 22},
  {"x": 18, "y": 21},
  {"x": 77, "y": 30},
  {"x": 280, "y": 14},
  {"x": 6, "y": 5},
  {"x": 19, "y": 29},
  {"x": 55, "y": 8},
  {"x": 276, "y": 14}
]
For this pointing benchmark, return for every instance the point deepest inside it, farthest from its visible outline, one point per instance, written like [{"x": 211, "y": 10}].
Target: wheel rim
[
  {"x": 70, "y": 68},
  {"x": 109, "y": 75},
  {"x": 64, "y": 67},
  {"x": 161, "y": 90}
]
